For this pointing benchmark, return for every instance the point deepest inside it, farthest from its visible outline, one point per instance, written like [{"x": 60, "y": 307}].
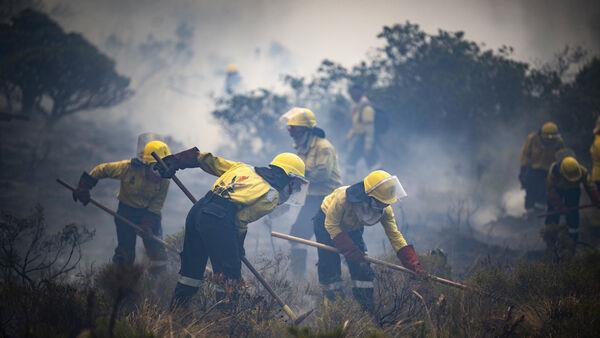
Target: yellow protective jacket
[
  {"x": 138, "y": 188},
  {"x": 556, "y": 181},
  {"x": 340, "y": 216},
  {"x": 595, "y": 152},
  {"x": 537, "y": 155},
  {"x": 239, "y": 183},
  {"x": 321, "y": 167},
  {"x": 363, "y": 122}
]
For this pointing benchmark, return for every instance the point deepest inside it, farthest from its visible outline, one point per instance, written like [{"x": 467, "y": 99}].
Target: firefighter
[
  {"x": 340, "y": 222},
  {"x": 141, "y": 198},
  {"x": 216, "y": 225},
  {"x": 537, "y": 155},
  {"x": 595, "y": 152},
  {"x": 361, "y": 137},
  {"x": 232, "y": 79},
  {"x": 564, "y": 183},
  {"x": 322, "y": 171}
]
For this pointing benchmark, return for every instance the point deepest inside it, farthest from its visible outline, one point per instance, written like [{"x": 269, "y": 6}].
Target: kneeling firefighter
[
  {"x": 216, "y": 225},
  {"x": 322, "y": 171},
  {"x": 340, "y": 223},
  {"x": 141, "y": 198},
  {"x": 565, "y": 178}
]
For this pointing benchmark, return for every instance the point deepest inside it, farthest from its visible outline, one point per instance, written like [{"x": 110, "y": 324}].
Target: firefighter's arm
[
  {"x": 324, "y": 164},
  {"x": 89, "y": 181},
  {"x": 388, "y": 221},
  {"x": 553, "y": 197},
  {"x": 263, "y": 206},
  {"x": 368, "y": 119},
  {"x": 526, "y": 152},
  {"x": 333, "y": 218},
  {"x": 110, "y": 170},
  {"x": 158, "y": 200},
  {"x": 590, "y": 189},
  {"x": 214, "y": 165}
]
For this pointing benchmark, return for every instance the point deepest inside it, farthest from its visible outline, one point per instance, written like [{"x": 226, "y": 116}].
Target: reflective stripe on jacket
[
  {"x": 140, "y": 187},
  {"x": 340, "y": 216}
]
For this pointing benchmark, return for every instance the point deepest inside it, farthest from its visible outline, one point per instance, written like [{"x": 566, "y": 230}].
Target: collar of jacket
[
  {"x": 356, "y": 193},
  {"x": 276, "y": 177},
  {"x": 305, "y": 148}
]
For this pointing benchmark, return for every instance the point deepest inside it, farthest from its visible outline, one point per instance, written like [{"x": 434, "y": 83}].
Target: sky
[{"x": 175, "y": 52}]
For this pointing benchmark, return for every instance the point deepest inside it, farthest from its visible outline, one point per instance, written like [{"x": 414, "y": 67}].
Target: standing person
[
  {"x": 361, "y": 136},
  {"x": 595, "y": 152},
  {"x": 340, "y": 222},
  {"x": 537, "y": 155},
  {"x": 141, "y": 198},
  {"x": 564, "y": 183},
  {"x": 216, "y": 225},
  {"x": 322, "y": 171}
]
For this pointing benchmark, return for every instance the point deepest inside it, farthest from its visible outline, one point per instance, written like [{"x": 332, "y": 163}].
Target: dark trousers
[
  {"x": 357, "y": 151},
  {"x": 535, "y": 187},
  {"x": 570, "y": 199},
  {"x": 210, "y": 232},
  {"x": 329, "y": 266},
  {"x": 303, "y": 228},
  {"x": 126, "y": 237}
]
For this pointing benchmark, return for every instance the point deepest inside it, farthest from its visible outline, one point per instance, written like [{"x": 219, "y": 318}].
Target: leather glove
[
  {"x": 82, "y": 192},
  {"x": 149, "y": 222},
  {"x": 348, "y": 248},
  {"x": 522, "y": 176},
  {"x": 410, "y": 260},
  {"x": 185, "y": 159},
  {"x": 241, "y": 239}
]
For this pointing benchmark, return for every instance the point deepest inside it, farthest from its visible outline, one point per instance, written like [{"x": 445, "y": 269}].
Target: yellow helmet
[
  {"x": 292, "y": 164},
  {"x": 549, "y": 130},
  {"x": 301, "y": 117},
  {"x": 384, "y": 187},
  {"x": 570, "y": 169},
  {"x": 161, "y": 149},
  {"x": 231, "y": 68}
]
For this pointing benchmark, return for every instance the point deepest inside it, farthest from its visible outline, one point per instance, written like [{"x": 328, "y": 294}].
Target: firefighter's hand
[
  {"x": 172, "y": 165},
  {"x": 82, "y": 195}
]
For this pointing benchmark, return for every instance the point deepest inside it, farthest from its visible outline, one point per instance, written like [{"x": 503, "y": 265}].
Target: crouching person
[
  {"x": 216, "y": 225},
  {"x": 141, "y": 198},
  {"x": 340, "y": 223}
]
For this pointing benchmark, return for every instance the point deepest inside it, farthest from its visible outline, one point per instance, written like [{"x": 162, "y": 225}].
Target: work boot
[
  {"x": 298, "y": 263},
  {"x": 364, "y": 296},
  {"x": 182, "y": 296}
]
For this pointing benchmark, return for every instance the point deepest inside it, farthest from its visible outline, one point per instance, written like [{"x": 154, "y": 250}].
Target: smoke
[{"x": 176, "y": 52}]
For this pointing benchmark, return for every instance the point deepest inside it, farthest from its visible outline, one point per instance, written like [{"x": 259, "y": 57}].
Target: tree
[{"x": 53, "y": 73}]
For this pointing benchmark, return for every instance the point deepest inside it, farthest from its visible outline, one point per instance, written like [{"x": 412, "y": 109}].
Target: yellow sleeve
[
  {"x": 526, "y": 152},
  {"x": 550, "y": 179},
  {"x": 388, "y": 221},
  {"x": 263, "y": 206},
  {"x": 214, "y": 165},
  {"x": 324, "y": 165},
  {"x": 156, "y": 203},
  {"x": 333, "y": 217},
  {"x": 111, "y": 169}
]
